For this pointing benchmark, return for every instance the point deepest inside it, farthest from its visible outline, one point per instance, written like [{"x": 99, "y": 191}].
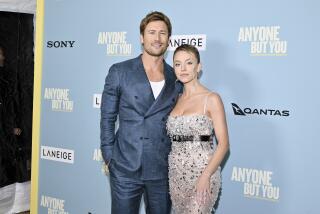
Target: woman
[{"x": 194, "y": 161}]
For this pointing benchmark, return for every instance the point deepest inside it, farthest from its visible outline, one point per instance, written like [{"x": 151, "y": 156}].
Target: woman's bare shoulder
[{"x": 214, "y": 99}]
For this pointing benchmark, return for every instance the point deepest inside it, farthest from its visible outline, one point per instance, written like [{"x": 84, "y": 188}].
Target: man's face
[{"x": 155, "y": 38}]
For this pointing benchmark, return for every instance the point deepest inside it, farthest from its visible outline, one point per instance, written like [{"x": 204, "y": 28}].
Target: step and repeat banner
[{"x": 261, "y": 57}]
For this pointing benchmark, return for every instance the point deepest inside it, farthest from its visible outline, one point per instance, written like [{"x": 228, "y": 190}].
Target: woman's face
[{"x": 186, "y": 66}]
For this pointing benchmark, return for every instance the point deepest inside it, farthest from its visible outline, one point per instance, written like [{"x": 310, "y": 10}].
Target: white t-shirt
[{"x": 156, "y": 88}]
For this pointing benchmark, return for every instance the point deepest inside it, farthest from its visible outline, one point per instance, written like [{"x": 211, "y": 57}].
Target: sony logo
[{"x": 60, "y": 44}]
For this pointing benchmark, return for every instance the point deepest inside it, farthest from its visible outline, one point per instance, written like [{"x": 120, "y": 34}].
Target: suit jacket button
[
  {"x": 136, "y": 97},
  {"x": 141, "y": 138}
]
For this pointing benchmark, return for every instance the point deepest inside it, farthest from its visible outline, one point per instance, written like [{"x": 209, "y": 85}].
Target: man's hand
[{"x": 17, "y": 131}]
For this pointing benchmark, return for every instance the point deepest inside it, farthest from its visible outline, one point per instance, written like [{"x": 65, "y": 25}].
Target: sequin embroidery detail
[{"x": 187, "y": 160}]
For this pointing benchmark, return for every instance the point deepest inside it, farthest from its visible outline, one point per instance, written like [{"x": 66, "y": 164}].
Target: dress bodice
[
  {"x": 192, "y": 148},
  {"x": 190, "y": 125}
]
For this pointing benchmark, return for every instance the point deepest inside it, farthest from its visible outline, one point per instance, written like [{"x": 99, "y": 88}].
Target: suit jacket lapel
[
  {"x": 143, "y": 87},
  {"x": 167, "y": 89}
]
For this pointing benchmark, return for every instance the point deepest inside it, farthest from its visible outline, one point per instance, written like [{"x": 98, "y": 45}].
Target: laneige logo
[
  {"x": 96, "y": 100},
  {"x": 199, "y": 41},
  {"x": 57, "y": 154}
]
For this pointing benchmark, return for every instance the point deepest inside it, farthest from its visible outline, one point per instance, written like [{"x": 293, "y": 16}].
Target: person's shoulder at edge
[
  {"x": 129, "y": 63},
  {"x": 214, "y": 100}
]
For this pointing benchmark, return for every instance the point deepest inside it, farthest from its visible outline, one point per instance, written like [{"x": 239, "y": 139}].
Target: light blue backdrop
[{"x": 274, "y": 156}]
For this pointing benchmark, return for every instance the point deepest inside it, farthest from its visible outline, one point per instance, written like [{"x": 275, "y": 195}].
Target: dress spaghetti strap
[{"x": 205, "y": 103}]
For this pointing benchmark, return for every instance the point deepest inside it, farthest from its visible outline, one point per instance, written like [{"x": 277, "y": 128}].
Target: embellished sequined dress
[{"x": 192, "y": 146}]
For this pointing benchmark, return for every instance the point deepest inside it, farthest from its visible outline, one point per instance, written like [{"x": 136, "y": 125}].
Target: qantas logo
[{"x": 258, "y": 111}]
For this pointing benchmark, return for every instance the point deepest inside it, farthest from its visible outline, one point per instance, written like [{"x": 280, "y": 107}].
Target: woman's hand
[{"x": 203, "y": 189}]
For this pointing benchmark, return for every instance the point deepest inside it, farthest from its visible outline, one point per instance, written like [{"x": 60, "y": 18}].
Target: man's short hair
[{"x": 155, "y": 16}]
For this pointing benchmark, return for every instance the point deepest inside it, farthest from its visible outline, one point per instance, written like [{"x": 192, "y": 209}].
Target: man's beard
[{"x": 157, "y": 54}]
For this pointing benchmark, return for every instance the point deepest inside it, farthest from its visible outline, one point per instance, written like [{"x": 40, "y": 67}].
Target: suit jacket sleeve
[{"x": 109, "y": 111}]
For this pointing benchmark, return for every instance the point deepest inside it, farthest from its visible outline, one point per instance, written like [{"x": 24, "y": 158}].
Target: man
[
  {"x": 9, "y": 84},
  {"x": 3, "y": 129},
  {"x": 7, "y": 124},
  {"x": 141, "y": 91}
]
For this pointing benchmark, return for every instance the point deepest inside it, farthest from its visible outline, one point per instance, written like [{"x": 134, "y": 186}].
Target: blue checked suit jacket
[{"x": 140, "y": 146}]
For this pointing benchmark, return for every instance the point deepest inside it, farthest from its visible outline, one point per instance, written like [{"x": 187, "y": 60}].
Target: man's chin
[{"x": 156, "y": 53}]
